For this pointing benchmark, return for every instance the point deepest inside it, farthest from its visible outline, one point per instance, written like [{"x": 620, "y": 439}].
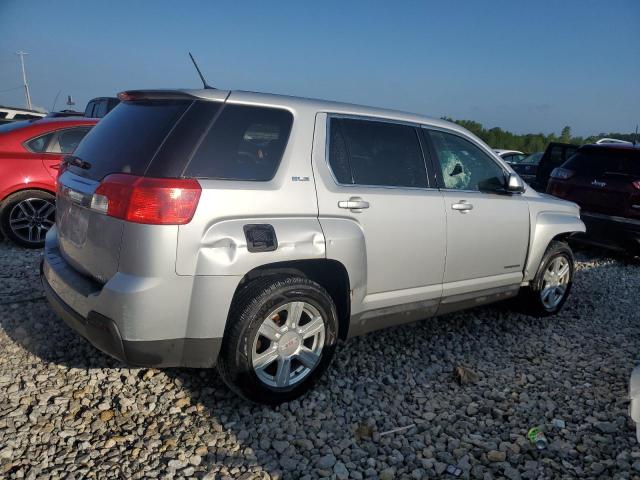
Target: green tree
[{"x": 531, "y": 142}]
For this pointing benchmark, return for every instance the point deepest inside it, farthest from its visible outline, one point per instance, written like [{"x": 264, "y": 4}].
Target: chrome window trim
[{"x": 369, "y": 119}]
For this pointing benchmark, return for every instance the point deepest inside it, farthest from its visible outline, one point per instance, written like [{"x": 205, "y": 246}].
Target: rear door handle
[
  {"x": 462, "y": 206},
  {"x": 354, "y": 203}
]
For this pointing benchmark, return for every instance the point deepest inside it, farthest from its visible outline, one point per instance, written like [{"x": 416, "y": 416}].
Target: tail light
[
  {"x": 636, "y": 184},
  {"x": 61, "y": 167},
  {"x": 562, "y": 173},
  {"x": 156, "y": 201}
]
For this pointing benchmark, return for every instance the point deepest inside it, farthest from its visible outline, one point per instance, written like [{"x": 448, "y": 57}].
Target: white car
[
  {"x": 10, "y": 114},
  {"x": 511, "y": 156}
]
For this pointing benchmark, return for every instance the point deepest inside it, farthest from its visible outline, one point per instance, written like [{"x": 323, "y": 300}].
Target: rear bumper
[
  {"x": 103, "y": 333},
  {"x": 611, "y": 230},
  {"x": 155, "y": 321}
]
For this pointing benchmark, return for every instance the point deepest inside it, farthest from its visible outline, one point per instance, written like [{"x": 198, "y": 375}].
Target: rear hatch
[
  {"x": 149, "y": 134},
  {"x": 605, "y": 180}
]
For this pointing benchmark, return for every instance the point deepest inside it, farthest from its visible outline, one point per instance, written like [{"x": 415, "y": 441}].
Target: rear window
[
  {"x": 126, "y": 140},
  {"x": 186, "y": 138},
  {"x": 605, "y": 161},
  {"x": 244, "y": 143}
]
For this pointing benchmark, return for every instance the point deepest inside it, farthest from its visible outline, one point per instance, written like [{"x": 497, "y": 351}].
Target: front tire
[
  {"x": 280, "y": 338},
  {"x": 27, "y": 216},
  {"x": 549, "y": 290}
]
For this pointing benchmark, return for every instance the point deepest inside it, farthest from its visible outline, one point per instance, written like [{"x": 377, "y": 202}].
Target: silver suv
[{"x": 252, "y": 231}]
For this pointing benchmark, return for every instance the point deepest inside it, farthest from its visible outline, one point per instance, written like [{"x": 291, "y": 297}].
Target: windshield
[{"x": 533, "y": 159}]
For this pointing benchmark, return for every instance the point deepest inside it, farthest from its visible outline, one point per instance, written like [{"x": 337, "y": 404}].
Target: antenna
[
  {"x": 55, "y": 100},
  {"x": 635, "y": 136},
  {"x": 204, "y": 82}
]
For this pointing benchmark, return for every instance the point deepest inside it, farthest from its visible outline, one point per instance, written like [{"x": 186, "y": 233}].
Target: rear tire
[
  {"x": 27, "y": 216},
  {"x": 281, "y": 336},
  {"x": 548, "y": 291}
]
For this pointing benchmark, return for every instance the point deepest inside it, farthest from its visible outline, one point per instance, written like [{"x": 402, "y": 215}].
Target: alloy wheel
[
  {"x": 31, "y": 219},
  {"x": 288, "y": 344},
  {"x": 555, "y": 282}
]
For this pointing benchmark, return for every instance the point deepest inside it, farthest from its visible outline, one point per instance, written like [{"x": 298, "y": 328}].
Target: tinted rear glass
[
  {"x": 244, "y": 143},
  {"x": 377, "y": 153},
  {"x": 127, "y": 139},
  {"x": 605, "y": 161},
  {"x": 39, "y": 144}
]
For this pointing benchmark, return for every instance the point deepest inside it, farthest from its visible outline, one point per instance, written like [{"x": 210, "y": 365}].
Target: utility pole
[{"x": 24, "y": 78}]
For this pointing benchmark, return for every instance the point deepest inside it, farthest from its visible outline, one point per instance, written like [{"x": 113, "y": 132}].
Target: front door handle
[
  {"x": 462, "y": 206},
  {"x": 354, "y": 203}
]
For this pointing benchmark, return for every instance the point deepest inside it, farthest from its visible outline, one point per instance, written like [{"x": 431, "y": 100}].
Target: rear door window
[
  {"x": 126, "y": 140},
  {"x": 244, "y": 143},
  {"x": 375, "y": 153}
]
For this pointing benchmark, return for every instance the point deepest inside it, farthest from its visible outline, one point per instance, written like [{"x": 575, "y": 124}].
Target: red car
[{"x": 30, "y": 155}]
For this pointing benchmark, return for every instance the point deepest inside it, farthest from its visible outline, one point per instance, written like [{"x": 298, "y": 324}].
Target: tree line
[{"x": 531, "y": 142}]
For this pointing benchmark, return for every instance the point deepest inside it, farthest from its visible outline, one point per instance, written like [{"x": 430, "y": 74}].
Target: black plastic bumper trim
[{"x": 102, "y": 332}]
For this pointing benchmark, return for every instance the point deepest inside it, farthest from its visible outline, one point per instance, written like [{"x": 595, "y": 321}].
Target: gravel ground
[{"x": 67, "y": 410}]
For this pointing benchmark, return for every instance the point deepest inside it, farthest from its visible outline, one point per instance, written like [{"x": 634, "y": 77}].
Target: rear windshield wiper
[{"x": 76, "y": 162}]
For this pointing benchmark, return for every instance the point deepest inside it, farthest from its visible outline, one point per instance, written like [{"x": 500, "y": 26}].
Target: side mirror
[{"x": 514, "y": 184}]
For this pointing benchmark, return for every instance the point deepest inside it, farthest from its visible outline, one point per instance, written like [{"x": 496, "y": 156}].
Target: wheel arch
[
  {"x": 330, "y": 274},
  {"x": 549, "y": 226},
  {"x": 39, "y": 188}
]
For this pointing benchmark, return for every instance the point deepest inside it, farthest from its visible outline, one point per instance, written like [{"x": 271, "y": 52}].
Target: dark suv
[
  {"x": 100, "y": 106},
  {"x": 605, "y": 181},
  {"x": 554, "y": 156}
]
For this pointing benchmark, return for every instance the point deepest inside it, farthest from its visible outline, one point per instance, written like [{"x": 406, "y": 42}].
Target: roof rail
[{"x": 612, "y": 140}]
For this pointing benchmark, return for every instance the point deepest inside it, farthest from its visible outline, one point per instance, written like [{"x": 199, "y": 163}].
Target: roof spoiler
[{"x": 133, "y": 95}]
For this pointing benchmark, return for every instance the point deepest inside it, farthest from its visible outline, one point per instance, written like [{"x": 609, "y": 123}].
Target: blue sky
[{"x": 526, "y": 66}]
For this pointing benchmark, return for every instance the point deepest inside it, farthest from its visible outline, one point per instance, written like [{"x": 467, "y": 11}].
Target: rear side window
[
  {"x": 127, "y": 139},
  {"x": 244, "y": 143},
  {"x": 67, "y": 140},
  {"x": 605, "y": 161},
  {"x": 39, "y": 144},
  {"x": 88, "y": 111},
  {"x": 366, "y": 152}
]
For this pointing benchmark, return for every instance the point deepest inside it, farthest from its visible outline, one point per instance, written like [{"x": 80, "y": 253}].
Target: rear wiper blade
[{"x": 76, "y": 162}]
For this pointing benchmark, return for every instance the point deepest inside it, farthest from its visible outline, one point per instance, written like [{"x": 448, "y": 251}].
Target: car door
[
  {"x": 487, "y": 229},
  {"x": 376, "y": 203},
  {"x": 63, "y": 142}
]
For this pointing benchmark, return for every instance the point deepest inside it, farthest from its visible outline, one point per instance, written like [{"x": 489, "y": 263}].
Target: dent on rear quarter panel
[{"x": 223, "y": 247}]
